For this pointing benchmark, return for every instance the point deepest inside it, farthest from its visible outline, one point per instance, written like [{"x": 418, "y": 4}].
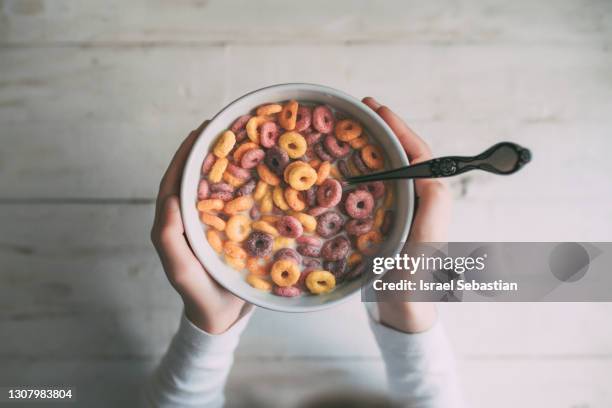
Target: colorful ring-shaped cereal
[
  {"x": 208, "y": 162},
  {"x": 276, "y": 159},
  {"x": 368, "y": 242},
  {"x": 217, "y": 170},
  {"x": 376, "y": 188},
  {"x": 222, "y": 187},
  {"x": 329, "y": 224},
  {"x": 358, "y": 143},
  {"x": 270, "y": 109},
  {"x": 285, "y": 272},
  {"x": 293, "y": 143},
  {"x": 259, "y": 244},
  {"x": 242, "y": 149},
  {"x": 267, "y": 175},
  {"x": 287, "y": 291},
  {"x": 308, "y": 221},
  {"x": 379, "y": 217},
  {"x": 294, "y": 199},
  {"x": 288, "y": 253},
  {"x": 359, "y": 227},
  {"x": 335, "y": 249},
  {"x": 309, "y": 240},
  {"x": 288, "y": 115},
  {"x": 266, "y": 227},
  {"x": 222, "y": 195},
  {"x": 239, "y": 204},
  {"x": 232, "y": 180},
  {"x": 373, "y": 157},
  {"x": 359, "y": 204},
  {"x": 312, "y": 251},
  {"x": 240, "y": 123},
  {"x": 323, "y": 172},
  {"x": 238, "y": 172},
  {"x": 234, "y": 250},
  {"x": 246, "y": 189},
  {"x": 282, "y": 242},
  {"x": 344, "y": 169},
  {"x": 255, "y": 266},
  {"x": 251, "y": 158},
  {"x": 259, "y": 283},
  {"x": 329, "y": 193},
  {"x": 323, "y": 119},
  {"x": 214, "y": 239},
  {"x": 268, "y": 134},
  {"x": 313, "y": 138},
  {"x": 225, "y": 144},
  {"x": 266, "y": 204},
  {"x": 292, "y": 166},
  {"x": 337, "y": 268},
  {"x": 335, "y": 147},
  {"x": 359, "y": 164},
  {"x": 311, "y": 196},
  {"x": 238, "y": 227},
  {"x": 289, "y": 226},
  {"x": 304, "y": 117},
  {"x": 279, "y": 198},
  {"x": 254, "y": 213},
  {"x": 347, "y": 130},
  {"x": 212, "y": 220},
  {"x": 253, "y": 126},
  {"x": 322, "y": 153},
  {"x": 387, "y": 222},
  {"x": 311, "y": 264},
  {"x": 260, "y": 190},
  {"x": 236, "y": 263},
  {"x": 354, "y": 258},
  {"x": 210, "y": 204},
  {"x": 319, "y": 282},
  {"x": 302, "y": 178},
  {"x": 203, "y": 189},
  {"x": 316, "y": 211}
]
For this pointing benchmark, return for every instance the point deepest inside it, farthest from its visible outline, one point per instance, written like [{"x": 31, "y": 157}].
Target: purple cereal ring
[
  {"x": 304, "y": 117},
  {"x": 359, "y": 227},
  {"x": 335, "y": 147},
  {"x": 343, "y": 167},
  {"x": 241, "y": 135},
  {"x": 269, "y": 134},
  {"x": 312, "y": 263},
  {"x": 329, "y": 193},
  {"x": 359, "y": 204},
  {"x": 224, "y": 187},
  {"x": 238, "y": 172},
  {"x": 203, "y": 190},
  {"x": 309, "y": 154},
  {"x": 316, "y": 211},
  {"x": 222, "y": 195},
  {"x": 376, "y": 188},
  {"x": 287, "y": 291},
  {"x": 259, "y": 244},
  {"x": 309, "y": 250},
  {"x": 313, "y": 138},
  {"x": 240, "y": 123},
  {"x": 322, "y": 153},
  {"x": 287, "y": 253},
  {"x": 289, "y": 226},
  {"x": 357, "y": 271},
  {"x": 308, "y": 240},
  {"x": 209, "y": 160},
  {"x": 276, "y": 159},
  {"x": 255, "y": 213},
  {"x": 311, "y": 196},
  {"x": 301, "y": 283},
  {"x": 386, "y": 224},
  {"x": 329, "y": 224},
  {"x": 323, "y": 119},
  {"x": 251, "y": 158},
  {"x": 335, "y": 249},
  {"x": 358, "y": 161},
  {"x": 337, "y": 268},
  {"x": 246, "y": 188}
]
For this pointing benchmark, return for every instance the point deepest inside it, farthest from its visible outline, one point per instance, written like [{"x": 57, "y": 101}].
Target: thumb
[{"x": 433, "y": 213}]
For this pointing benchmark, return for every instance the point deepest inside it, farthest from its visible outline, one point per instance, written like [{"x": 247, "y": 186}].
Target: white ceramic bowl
[{"x": 234, "y": 281}]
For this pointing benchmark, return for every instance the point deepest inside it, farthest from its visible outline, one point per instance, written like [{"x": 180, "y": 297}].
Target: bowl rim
[{"x": 186, "y": 203}]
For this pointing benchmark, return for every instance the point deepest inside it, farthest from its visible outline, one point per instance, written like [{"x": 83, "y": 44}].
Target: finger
[
  {"x": 432, "y": 218},
  {"x": 371, "y": 102}
]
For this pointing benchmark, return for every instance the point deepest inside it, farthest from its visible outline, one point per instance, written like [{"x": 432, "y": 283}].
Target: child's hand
[
  {"x": 430, "y": 223},
  {"x": 207, "y": 305}
]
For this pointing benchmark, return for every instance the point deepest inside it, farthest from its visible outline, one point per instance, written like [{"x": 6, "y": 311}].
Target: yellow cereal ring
[
  {"x": 368, "y": 242},
  {"x": 285, "y": 272},
  {"x": 266, "y": 227},
  {"x": 252, "y": 127},
  {"x": 279, "y": 198},
  {"x": 212, "y": 220},
  {"x": 225, "y": 144},
  {"x": 234, "y": 250},
  {"x": 354, "y": 258},
  {"x": 323, "y": 172},
  {"x": 347, "y": 130},
  {"x": 232, "y": 180},
  {"x": 314, "y": 163},
  {"x": 358, "y": 143},
  {"x": 373, "y": 157},
  {"x": 282, "y": 242},
  {"x": 288, "y": 115},
  {"x": 308, "y": 221},
  {"x": 260, "y": 190},
  {"x": 238, "y": 227},
  {"x": 294, "y": 199},
  {"x": 214, "y": 239},
  {"x": 267, "y": 110},
  {"x": 319, "y": 282},
  {"x": 379, "y": 217},
  {"x": 292, "y": 166},
  {"x": 302, "y": 178},
  {"x": 216, "y": 171},
  {"x": 239, "y": 204},
  {"x": 266, "y": 204},
  {"x": 259, "y": 283},
  {"x": 293, "y": 143},
  {"x": 238, "y": 264},
  {"x": 212, "y": 204},
  {"x": 242, "y": 149},
  {"x": 267, "y": 175},
  {"x": 270, "y": 219},
  {"x": 335, "y": 173},
  {"x": 388, "y": 203},
  {"x": 255, "y": 267}
]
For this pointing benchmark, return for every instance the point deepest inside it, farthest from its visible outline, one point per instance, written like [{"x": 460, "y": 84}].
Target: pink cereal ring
[
  {"x": 335, "y": 147},
  {"x": 289, "y": 226},
  {"x": 313, "y": 138},
  {"x": 222, "y": 195},
  {"x": 329, "y": 193},
  {"x": 208, "y": 163},
  {"x": 240, "y": 123},
  {"x": 287, "y": 291},
  {"x": 203, "y": 190},
  {"x": 316, "y": 211},
  {"x": 238, "y": 172},
  {"x": 251, "y": 158},
  {"x": 359, "y": 204},
  {"x": 269, "y": 134},
  {"x": 308, "y": 240},
  {"x": 215, "y": 187},
  {"x": 304, "y": 117},
  {"x": 323, "y": 119},
  {"x": 376, "y": 188}
]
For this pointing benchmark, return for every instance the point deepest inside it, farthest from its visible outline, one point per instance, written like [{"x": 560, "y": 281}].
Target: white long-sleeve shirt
[{"x": 420, "y": 367}]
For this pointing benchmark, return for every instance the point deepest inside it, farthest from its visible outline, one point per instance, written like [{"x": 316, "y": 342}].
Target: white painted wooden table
[{"x": 95, "y": 97}]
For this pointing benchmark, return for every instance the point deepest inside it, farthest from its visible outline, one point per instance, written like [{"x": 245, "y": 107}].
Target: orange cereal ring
[
  {"x": 252, "y": 127},
  {"x": 323, "y": 172},
  {"x": 290, "y": 167},
  {"x": 238, "y": 227},
  {"x": 379, "y": 216},
  {"x": 295, "y": 199},
  {"x": 373, "y": 157},
  {"x": 354, "y": 258},
  {"x": 216, "y": 171},
  {"x": 285, "y": 272},
  {"x": 358, "y": 143},
  {"x": 238, "y": 264},
  {"x": 368, "y": 242},
  {"x": 259, "y": 283},
  {"x": 314, "y": 163},
  {"x": 335, "y": 173},
  {"x": 288, "y": 115},
  {"x": 302, "y": 178},
  {"x": 388, "y": 203},
  {"x": 242, "y": 203},
  {"x": 260, "y": 190},
  {"x": 232, "y": 180},
  {"x": 267, "y": 175},
  {"x": 242, "y": 149},
  {"x": 271, "y": 109},
  {"x": 255, "y": 267},
  {"x": 234, "y": 250},
  {"x": 266, "y": 204},
  {"x": 270, "y": 219},
  {"x": 308, "y": 221},
  {"x": 211, "y": 204},
  {"x": 293, "y": 143},
  {"x": 214, "y": 239},
  {"x": 282, "y": 242},
  {"x": 212, "y": 220},
  {"x": 352, "y": 168},
  {"x": 279, "y": 198},
  {"x": 225, "y": 144},
  {"x": 319, "y": 282},
  {"x": 266, "y": 227},
  {"x": 347, "y": 130}
]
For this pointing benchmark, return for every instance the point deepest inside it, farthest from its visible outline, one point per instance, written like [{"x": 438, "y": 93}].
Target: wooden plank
[{"x": 65, "y": 22}]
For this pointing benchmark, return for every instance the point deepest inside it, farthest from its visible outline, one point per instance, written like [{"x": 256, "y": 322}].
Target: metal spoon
[{"x": 503, "y": 158}]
